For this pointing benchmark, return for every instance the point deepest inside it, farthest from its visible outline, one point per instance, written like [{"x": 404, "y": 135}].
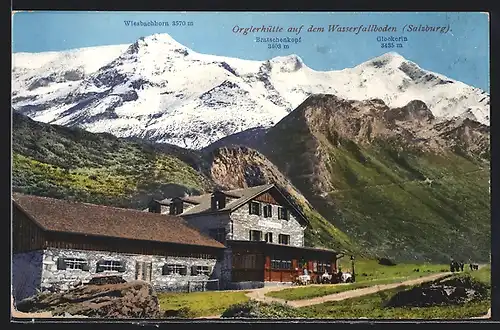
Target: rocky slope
[
  {"x": 399, "y": 181},
  {"x": 163, "y": 91}
]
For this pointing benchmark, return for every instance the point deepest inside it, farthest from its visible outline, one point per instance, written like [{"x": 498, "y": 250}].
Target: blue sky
[{"x": 462, "y": 53}]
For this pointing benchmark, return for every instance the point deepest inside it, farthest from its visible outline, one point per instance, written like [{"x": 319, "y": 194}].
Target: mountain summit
[{"x": 160, "y": 90}]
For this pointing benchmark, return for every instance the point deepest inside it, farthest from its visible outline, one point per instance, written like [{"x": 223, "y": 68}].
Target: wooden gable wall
[{"x": 26, "y": 235}]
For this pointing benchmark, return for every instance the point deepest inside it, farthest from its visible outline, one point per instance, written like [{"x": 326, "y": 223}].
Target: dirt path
[{"x": 260, "y": 294}]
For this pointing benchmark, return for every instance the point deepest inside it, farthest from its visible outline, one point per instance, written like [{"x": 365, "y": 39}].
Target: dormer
[
  {"x": 218, "y": 200},
  {"x": 176, "y": 206}
]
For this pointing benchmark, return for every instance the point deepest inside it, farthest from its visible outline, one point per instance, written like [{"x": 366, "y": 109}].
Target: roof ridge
[
  {"x": 57, "y": 214},
  {"x": 78, "y": 202}
]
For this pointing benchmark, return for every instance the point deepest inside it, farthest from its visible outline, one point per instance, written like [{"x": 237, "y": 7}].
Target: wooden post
[{"x": 189, "y": 286}]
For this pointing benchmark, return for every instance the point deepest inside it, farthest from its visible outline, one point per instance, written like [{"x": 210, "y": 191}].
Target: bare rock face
[{"x": 134, "y": 299}]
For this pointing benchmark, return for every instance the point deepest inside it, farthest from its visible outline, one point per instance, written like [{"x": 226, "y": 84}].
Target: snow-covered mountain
[{"x": 159, "y": 89}]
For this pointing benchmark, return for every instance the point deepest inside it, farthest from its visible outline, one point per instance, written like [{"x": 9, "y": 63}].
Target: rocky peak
[
  {"x": 290, "y": 63},
  {"x": 415, "y": 111}
]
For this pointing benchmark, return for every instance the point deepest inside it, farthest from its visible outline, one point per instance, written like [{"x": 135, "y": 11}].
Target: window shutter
[
  {"x": 250, "y": 208},
  {"x": 123, "y": 267},
  {"x": 270, "y": 211},
  {"x": 86, "y": 267},
  {"x": 164, "y": 269},
  {"x": 193, "y": 271},
  {"x": 61, "y": 265},
  {"x": 260, "y": 209}
]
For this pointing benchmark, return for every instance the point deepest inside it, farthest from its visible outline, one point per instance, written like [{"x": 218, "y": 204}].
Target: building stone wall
[
  {"x": 243, "y": 222},
  {"x": 26, "y": 274},
  {"x": 58, "y": 280}
]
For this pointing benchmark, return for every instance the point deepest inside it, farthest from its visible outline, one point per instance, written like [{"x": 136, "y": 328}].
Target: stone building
[
  {"x": 262, "y": 230},
  {"x": 58, "y": 244}
]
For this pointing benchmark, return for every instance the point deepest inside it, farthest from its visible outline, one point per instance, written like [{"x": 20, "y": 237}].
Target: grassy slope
[
  {"x": 370, "y": 306},
  {"x": 368, "y": 273},
  {"x": 97, "y": 168},
  {"x": 448, "y": 217},
  {"x": 197, "y": 304},
  {"x": 380, "y": 199},
  {"x": 322, "y": 233}
]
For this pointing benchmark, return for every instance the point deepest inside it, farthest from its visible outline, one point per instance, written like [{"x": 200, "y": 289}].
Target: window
[
  {"x": 254, "y": 208},
  {"x": 268, "y": 211},
  {"x": 255, "y": 235},
  {"x": 284, "y": 239},
  {"x": 200, "y": 270},
  {"x": 72, "y": 263},
  {"x": 283, "y": 213},
  {"x": 218, "y": 234},
  {"x": 281, "y": 264},
  {"x": 174, "y": 269},
  {"x": 110, "y": 266},
  {"x": 269, "y": 237}
]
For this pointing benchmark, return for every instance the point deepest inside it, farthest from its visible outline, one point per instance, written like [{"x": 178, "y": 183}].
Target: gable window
[
  {"x": 172, "y": 269},
  {"x": 110, "y": 266},
  {"x": 268, "y": 211},
  {"x": 283, "y": 213},
  {"x": 218, "y": 234},
  {"x": 255, "y": 235},
  {"x": 284, "y": 239},
  {"x": 269, "y": 237},
  {"x": 72, "y": 263},
  {"x": 255, "y": 208},
  {"x": 200, "y": 270}
]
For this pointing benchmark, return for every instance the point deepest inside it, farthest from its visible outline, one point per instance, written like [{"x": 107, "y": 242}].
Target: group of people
[
  {"x": 325, "y": 278},
  {"x": 456, "y": 266}
]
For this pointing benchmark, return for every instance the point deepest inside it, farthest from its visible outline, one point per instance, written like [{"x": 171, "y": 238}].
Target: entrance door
[{"x": 143, "y": 271}]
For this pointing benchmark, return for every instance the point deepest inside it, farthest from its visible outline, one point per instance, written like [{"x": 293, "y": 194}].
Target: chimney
[{"x": 218, "y": 200}]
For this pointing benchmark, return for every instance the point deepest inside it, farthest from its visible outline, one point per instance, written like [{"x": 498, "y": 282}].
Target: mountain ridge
[
  {"x": 377, "y": 172},
  {"x": 160, "y": 90}
]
